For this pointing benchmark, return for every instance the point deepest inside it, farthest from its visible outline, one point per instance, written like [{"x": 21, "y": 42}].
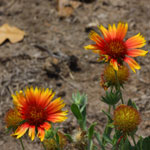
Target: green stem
[
  {"x": 132, "y": 136},
  {"x": 99, "y": 141},
  {"x": 21, "y": 143},
  {"x": 118, "y": 86},
  {"x": 57, "y": 142},
  {"x": 44, "y": 146},
  {"x": 109, "y": 109},
  {"x": 114, "y": 107},
  {"x": 107, "y": 129}
]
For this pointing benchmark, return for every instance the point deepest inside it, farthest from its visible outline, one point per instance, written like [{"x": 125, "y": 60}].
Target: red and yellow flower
[
  {"x": 13, "y": 118},
  {"x": 38, "y": 111},
  {"x": 114, "y": 49},
  {"x": 126, "y": 118}
]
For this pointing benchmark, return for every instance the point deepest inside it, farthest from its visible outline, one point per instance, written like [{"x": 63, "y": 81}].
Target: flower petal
[
  {"x": 41, "y": 133},
  {"x": 112, "y": 31},
  {"x": 136, "y": 52},
  {"x": 92, "y": 47},
  {"x": 114, "y": 63},
  {"x": 132, "y": 63},
  {"x": 32, "y": 132},
  {"x": 136, "y": 41},
  {"x": 96, "y": 38},
  {"x": 58, "y": 117},
  {"x": 45, "y": 126},
  {"x": 121, "y": 30},
  {"x": 45, "y": 97},
  {"x": 55, "y": 106},
  {"x": 105, "y": 33},
  {"x": 21, "y": 130},
  {"x": 18, "y": 99}
]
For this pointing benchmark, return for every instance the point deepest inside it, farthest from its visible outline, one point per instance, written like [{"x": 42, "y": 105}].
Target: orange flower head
[
  {"x": 13, "y": 118},
  {"x": 114, "y": 49},
  {"x": 38, "y": 111},
  {"x": 50, "y": 144},
  {"x": 126, "y": 118},
  {"x": 122, "y": 74}
]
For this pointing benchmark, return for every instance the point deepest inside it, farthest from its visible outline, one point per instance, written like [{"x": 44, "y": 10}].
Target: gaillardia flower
[
  {"x": 50, "y": 144},
  {"x": 126, "y": 118},
  {"x": 13, "y": 118},
  {"x": 114, "y": 49},
  {"x": 108, "y": 77},
  {"x": 38, "y": 111}
]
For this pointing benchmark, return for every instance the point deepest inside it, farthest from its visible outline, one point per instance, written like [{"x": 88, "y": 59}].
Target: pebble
[{"x": 91, "y": 26}]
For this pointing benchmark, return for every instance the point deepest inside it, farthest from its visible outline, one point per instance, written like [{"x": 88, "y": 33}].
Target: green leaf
[
  {"x": 49, "y": 134},
  {"x": 57, "y": 139},
  {"x": 107, "y": 139},
  {"x": 90, "y": 134},
  {"x": 111, "y": 98},
  {"x": 106, "y": 136},
  {"x": 146, "y": 143},
  {"x": 95, "y": 147},
  {"x": 139, "y": 143},
  {"x": 132, "y": 104},
  {"x": 91, "y": 131},
  {"x": 108, "y": 115},
  {"x": 125, "y": 145},
  {"x": 75, "y": 110},
  {"x": 116, "y": 136},
  {"x": 99, "y": 140},
  {"x": 90, "y": 145},
  {"x": 69, "y": 137},
  {"x": 133, "y": 132},
  {"x": 111, "y": 125},
  {"x": 79, "y": 99}
]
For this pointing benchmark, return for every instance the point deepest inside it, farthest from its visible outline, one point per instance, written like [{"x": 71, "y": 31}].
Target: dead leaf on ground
[
  {"x": 66, "y": 7},
  {"x": 11, "y": 33}
]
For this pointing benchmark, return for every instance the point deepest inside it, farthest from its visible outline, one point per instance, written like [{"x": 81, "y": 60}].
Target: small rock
[
  {"x": 55, "y": 61},
  {"x": 87, "y": 1},
  {"x": 61, "y": 94},
  {"x": 104, "y": 3},
  {"x": 144, "y": 97},
  {"x": 91, "y": 26},
  {"x": 73, "y": 63},
  {"x": 102, "y": 16},
  {"x": 52, "y": 68}
]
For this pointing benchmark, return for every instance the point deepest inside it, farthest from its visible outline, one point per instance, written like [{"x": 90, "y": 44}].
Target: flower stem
[
  {"x": 44, "y": 146},
  {"x": 21, "y": 143},
  {"x": 118, "y": 86},
  {"x": 132, "y": 136},
  {"x": 114, "y": 107},
  {"x": 109, "y": 109}
]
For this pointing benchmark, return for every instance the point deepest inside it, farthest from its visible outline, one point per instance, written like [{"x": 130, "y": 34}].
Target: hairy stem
[
  {"x": 134, "y": 142},
  {"x": 21, "y": 143},
  {"x": 118, "y": 86},
  {"x": 43, "y": 146}
]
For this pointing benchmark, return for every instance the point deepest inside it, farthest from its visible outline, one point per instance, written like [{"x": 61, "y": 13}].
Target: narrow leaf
[
  {"x": 75, "y": 110},
  {"x": 91, "y": 131},
  {"x": 99, "y": 140}
]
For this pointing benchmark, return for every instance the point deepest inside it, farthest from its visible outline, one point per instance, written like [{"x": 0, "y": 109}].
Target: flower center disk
[
  {"x": 116, "y": 49},
  {"x": 35, "y": 115}
]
